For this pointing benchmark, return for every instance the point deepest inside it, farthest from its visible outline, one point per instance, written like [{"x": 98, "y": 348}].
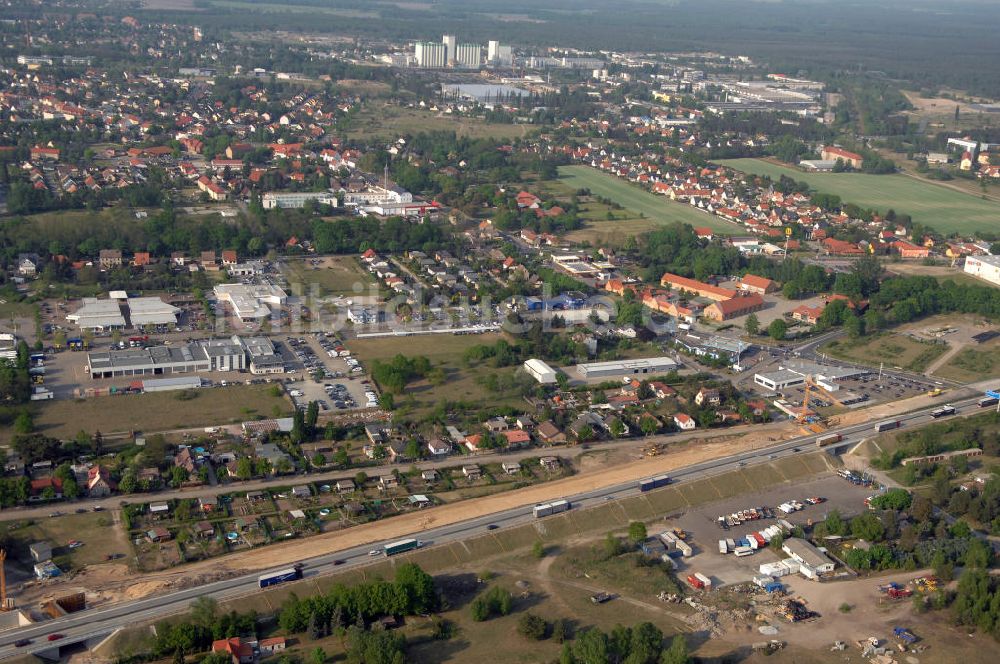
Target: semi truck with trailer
[
  {"x": 651, "y": 483},
  {"x": 555, "y": 507},
  {"x": 293, "y": 573},
  {"x": 401, "y": 546}
]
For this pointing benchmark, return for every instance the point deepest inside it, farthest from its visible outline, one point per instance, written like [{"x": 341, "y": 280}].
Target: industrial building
[
  {"x": 256, "y": 354},
  {"x": 251, "y": 303},
  {"x": 540, "y": 371},
  {"x": 469, "y": 56},
  {"x": 298, "y": 199},
  {"x": 794, "y": 372},
  {"x": 123, "y": 312},
  {"x": 499, "y": 55},
  {"x": 639, "y": 367},
  {"x": 430, "y": 55},
  {"x": 984, "y": 267},
  {"x": 806, "y": 554}
]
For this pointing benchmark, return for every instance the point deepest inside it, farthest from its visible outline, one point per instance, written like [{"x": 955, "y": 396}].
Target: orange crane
[
  {"x": 5, "y": 604},
  {"x": 810, "y": 385}
]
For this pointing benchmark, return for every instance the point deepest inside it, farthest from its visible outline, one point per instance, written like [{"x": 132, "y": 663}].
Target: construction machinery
[
  {"x": 6, "y": 604},
  {"x": 813, "y": 424}
]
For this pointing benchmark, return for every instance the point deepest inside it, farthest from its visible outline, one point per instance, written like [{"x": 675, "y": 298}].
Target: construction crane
[
  {"x": 810, "y": 386},
  {"x": 5, "y": 604}
]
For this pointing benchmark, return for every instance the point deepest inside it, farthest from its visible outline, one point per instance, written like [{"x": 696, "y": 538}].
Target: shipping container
[
  {"x": 695, "y": 581},
  {"x": 741, "y": 551},
  {"x": 705, "y": 581},
  {"x": 684, "y": 548},
  {"x": 730, "y": 544},
  {"x": 944, "y": 411},
  {"x": 723, "y": 548},
  {"x": 555, "y": 507}
]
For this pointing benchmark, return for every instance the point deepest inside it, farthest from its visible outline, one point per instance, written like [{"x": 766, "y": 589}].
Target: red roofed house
[
  {"x": 684, "y": 422},
  {"x": 909, "y": 250},
  {"x": 99, "y": 482},
  {"x": 832, "y": 153},
  {"x": 39, "y": 486},
  {"x": 516, "y": 437},
  {"x": 242, "y": 653},
  {"x": 214, "y": 191},
  {"x": 229, "y": 257},
  {"x": 527, "y": 200},
  {"x": 678, "y": 282},
  {"x": 141, "y": 258},
  {"x": 841, "y": 248},
  {"x": 760, "y": 285},
  {"x": 733, "y": 308},
  {"x": 40, "y": 152},
  {"x": 807, "y": 314}
]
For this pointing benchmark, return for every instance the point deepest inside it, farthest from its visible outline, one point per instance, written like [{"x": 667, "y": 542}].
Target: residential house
[
  {"x": 517, "y": 437},
  {"x": 239, "y": 650},
  {"x": 472, "y": 473},
  {"x": 438, "y": 447},
  {"x": 549, "y": 433},
  {"x": 208, "y": 504},
  {"x": 204, "y": 529},
  {"x": 806, "y": 314},
  {"x": 511, "y": 467},
  {"x": 550, "y": 463},
  {"x": 684, "y": 422},
  {"x": 158, "y": 534},
  {"x": 110, "y": 258},
  {"x": 184, "y": 459},
  {"x": 707, "y": 395},
  {"x": 27, "y": 265},
  {"x": 99, "y": 482},
  {"x": 268, "y": 647},
  {"x": 345, "y": 486},
  {"x": 40, "y": 487},
  {"x": 429, "y": 476},
  {"x": 387, "y": 482},
  {"x": 301, "y": 491},
  {"x": 661, "y": 390}
]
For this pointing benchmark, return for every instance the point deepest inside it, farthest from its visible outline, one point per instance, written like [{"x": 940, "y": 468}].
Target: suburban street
[{"x": 90, "y": 624}]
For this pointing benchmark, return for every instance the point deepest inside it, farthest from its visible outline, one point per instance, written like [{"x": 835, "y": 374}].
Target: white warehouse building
[
  {"x": 984, "y": 267},
  {"x": 297, "y": 199},
  {"x": 639, "y": 367},
  {"x": 540, "y": 371}
]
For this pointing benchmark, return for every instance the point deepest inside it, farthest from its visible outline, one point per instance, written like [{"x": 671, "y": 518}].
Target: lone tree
[
  {"x": 752, "y": 325},
  {"x": 637, "y": 532}
]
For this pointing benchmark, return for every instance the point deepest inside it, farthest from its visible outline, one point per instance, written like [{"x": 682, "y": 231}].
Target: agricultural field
[
  {"x": 636, "y": 201},
  {"x": 292, "y": 8},
  {"x": 157, "y": 411},
  {"x": 334, "y": 275},
  {"x": 895, "y": 350},
  {"x": 944, "y": 209},
  {"x": 391, "y": 121},
  {"x": 444, "y": 351}
]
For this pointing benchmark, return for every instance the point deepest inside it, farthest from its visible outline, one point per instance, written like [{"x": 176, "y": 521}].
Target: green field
[
  {"x": 391, "y": 121},
  {"x": 895, "y": 349},
  {"x": 944, "y": 209},
  {"x": 292, "y": 8},
  {"x": 157, "y": 411},
  {"x": 973, "y": 364},
  {"x": 337, "y": 275},
  {"x": 635, "y": 200},
  {"x": 444, "y": 351}
]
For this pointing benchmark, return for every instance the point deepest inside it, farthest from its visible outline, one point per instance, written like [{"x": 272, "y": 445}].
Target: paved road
[
  {"x": 96, "y": 622},
  {"x": 113, "y": 502}
]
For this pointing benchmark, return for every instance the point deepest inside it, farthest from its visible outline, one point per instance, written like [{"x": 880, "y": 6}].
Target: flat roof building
[
  {"x": 251, "y": 302},
  {"x": 642, "y": 366},
  {"x": 297, "y": 199},
  {"x": 144, "y": 311},
  {"x": 779, "y": 380},
  {"x": 984, "y": 267},
  {"x": 98, "y": 315},
  {"x": 540, "y": 371},
  {"x": 233, "y": 354},
  {"x": 807, "y": 554}
]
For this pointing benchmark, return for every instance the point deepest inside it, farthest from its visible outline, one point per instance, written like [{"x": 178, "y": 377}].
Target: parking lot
[
  {"x": 704, "y": 532},
  {"x": 342, "y": 386}
]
